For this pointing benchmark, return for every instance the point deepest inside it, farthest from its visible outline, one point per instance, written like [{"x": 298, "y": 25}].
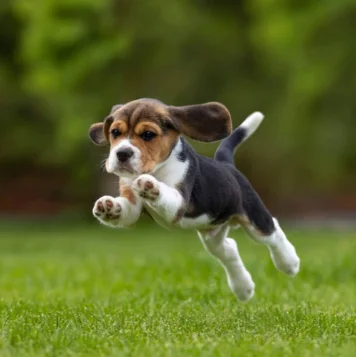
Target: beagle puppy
[{"x": 160, "y": 173}]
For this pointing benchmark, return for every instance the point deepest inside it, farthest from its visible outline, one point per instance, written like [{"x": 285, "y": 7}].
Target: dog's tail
[{"x": 228, "y": 146}]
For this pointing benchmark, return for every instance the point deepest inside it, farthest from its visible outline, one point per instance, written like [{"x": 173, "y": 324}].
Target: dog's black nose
[{"x": 124, "y": 154}]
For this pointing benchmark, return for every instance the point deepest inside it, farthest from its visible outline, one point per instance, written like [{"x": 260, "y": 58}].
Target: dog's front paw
[
  {"x": 107, "y": 210},
  {"x": 147, "y": 187}
]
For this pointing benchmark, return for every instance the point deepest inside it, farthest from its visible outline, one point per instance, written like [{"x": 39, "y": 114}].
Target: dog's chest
[{"x": 173, "y": 173}]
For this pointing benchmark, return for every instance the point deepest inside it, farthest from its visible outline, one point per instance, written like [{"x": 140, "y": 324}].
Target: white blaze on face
[{"x": 113, "y": 164}]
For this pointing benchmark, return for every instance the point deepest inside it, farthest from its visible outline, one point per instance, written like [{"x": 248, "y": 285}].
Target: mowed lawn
[{"x": 85, "y": 290}]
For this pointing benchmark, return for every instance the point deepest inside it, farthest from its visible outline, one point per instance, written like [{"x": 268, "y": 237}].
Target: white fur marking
[
  {"x": 282, "y": 252},
  {"x": 113, "y": 163},
  {"x": 251, "y": 123},
  {"x": 199, "y": 222},
  {"x": 225, "y": 250}
]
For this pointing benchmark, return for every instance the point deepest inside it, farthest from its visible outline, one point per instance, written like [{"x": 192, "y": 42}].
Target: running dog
[{"x": 160, "y": 173}]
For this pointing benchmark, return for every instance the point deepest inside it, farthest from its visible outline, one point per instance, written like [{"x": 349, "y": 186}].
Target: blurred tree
[
  {"x": 308, "y": 44},
  {"x": 15, "y": 102},
  {"x": 65, "y": 62}
]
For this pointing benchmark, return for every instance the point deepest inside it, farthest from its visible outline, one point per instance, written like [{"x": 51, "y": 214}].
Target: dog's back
[
  {"x": 252, "y": 204},
  {"x": 215, "y": 187}
]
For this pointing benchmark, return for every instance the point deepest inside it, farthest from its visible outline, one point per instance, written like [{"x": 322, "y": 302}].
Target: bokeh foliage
[{"x": 63, "y": 63}]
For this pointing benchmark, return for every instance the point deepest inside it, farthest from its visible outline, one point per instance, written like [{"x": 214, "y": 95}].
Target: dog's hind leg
[
  {"x": 225, "y": 250},
  {"x": 282, "y": 252},
  {"x": 263, "y": 228}
]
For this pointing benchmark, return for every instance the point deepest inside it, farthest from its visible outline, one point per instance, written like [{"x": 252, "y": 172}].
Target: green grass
[{"x": 92, "y": 291}]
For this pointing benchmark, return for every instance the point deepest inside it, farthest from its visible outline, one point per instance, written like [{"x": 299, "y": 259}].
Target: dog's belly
[
  {"x": 200, "y": 222},
  {"x": 157, "y": 218}
]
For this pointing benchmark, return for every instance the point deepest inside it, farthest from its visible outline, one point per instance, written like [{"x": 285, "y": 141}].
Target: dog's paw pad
[
  {"x": 109, "y": 205},
  {"x": 147, "y": 187},
  {"x": 100, "y": 207},
  {"x": 107, "y": 208}
]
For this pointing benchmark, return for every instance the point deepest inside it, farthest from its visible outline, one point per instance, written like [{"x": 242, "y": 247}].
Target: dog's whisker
[{"x": 102, "y": 165}]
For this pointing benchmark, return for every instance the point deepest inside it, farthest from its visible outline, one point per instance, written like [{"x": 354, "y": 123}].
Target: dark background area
[{"x": 63, "y": 64}]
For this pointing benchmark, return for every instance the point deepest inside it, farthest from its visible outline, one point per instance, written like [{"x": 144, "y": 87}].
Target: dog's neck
[{"x": 173, "y": 170}]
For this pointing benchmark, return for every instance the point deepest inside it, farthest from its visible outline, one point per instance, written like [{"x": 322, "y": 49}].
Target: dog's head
[{"x": 143, "y": 133}]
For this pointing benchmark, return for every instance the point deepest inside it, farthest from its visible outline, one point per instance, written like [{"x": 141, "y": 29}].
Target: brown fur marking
[
  {"x": 239, "y": 219},
  {"x": 179, "y": 215},
  {"x": 120, "y": 125},
  {"x": 143, "y": 126},
  {"x": 127, "y": 192}
]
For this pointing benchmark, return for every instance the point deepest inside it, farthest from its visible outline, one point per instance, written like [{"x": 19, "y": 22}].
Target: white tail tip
[{"x": 252, "y": 122}]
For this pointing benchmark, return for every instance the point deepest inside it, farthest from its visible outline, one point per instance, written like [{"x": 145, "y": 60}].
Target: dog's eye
[
  {"x": 148, "y": 135},
  {"x": 115, "y": 133}
]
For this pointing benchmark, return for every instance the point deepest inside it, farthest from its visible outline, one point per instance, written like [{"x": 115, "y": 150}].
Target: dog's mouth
[
  {"x": 126, "y": 170},
  {"x": 120, "y": 168}
]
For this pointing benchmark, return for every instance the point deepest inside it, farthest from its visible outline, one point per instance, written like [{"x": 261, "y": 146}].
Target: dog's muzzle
[
  {"x": 124, "y": 154},
  {"x": 122, "y": 161}
]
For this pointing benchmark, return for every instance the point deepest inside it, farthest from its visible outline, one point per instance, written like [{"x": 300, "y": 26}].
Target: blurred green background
[{"x": 64, "y": 63}]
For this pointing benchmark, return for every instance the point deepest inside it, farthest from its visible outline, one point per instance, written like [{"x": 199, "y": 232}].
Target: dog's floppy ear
[
  {"x": 203, "y": 122},
  {"x": 99, "y": 132}
]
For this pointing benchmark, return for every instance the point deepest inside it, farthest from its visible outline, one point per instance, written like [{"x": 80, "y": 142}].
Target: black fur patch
[
  {"x": 221, "y": 191},
  {"x": 181, "y": 156},
  {"x": 225, "y": 151}
]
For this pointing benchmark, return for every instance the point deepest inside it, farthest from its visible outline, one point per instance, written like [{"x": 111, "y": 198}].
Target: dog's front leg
[
  {"x": 166, "y": 201},
  {"x": 120, "y": 211}
]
